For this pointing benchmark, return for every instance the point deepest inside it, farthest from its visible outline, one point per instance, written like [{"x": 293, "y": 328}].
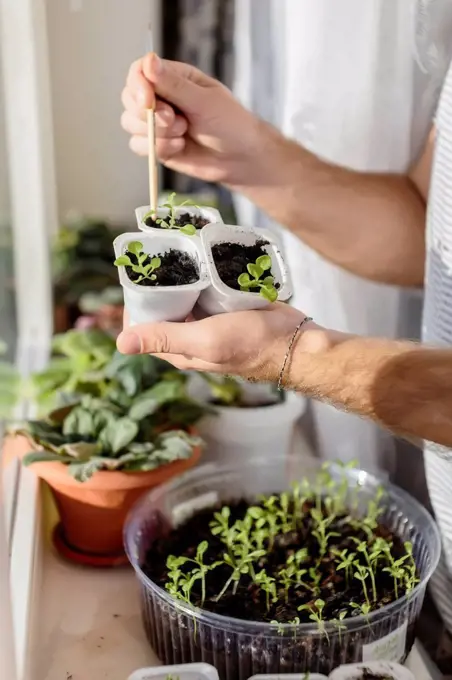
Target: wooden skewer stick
[{"x": 153, "y": 166}]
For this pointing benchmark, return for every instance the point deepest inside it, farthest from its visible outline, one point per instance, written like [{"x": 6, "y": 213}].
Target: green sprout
[
  {"x": 315, "y": 577},
  {"x": 346, "y": 562},
  {"x": 361, "y": 547},
  {"x": 316, "y": 614},
  {"x": 252, "y": 278},
  {"x": 284, "y": 513},
  {"x": 145, "y": 266},
  {"x": 170, "y": 221},
  {"x": 337, "y": 623},
  {"x": 320, "y": 532},
  {"x": 268, "y": 585},
  {"x": 374, "y": 510},
  {"x": 361, "y": 575},
  {"x": 299, "y": 557},
  {"x": 181, "y": 584},
  {"x": 219, "y": 526},
  {"x": 364, "y": 609},
  {"x": 240, "y": 565}
]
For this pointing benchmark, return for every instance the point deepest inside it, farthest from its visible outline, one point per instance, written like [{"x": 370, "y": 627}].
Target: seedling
[
  {"x": 361, "y": 547},
  {"x": 299, "y": 557},
  {"x": 346, "y": 563},
  {"x": 361, "y": 575},
  {"x": 253, "y": 278},
  {"x": 184, "y": 582},
  {"x": 321, "y": 530},
  {"x": 316, "y": 614},
  {"x": 284, "y": 513},
  {"x": 268, "y": 585},
  {"x": 239, "y": 566},
  {"x": 170, "y": 221},
  {"x": 337, "y": 623},
  {"x": 145, "y": 266}
]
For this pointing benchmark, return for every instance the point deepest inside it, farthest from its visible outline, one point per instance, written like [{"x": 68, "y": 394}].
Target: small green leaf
[
  {"x": 153, "y": 277},
  {"x": 81, "y": 451},
  {"x": 123, "y": 261},
  {"x": 268, "y": 281},
  {"x": 156, "y": 262},
  {"x": 79, "y": 422},
  {"x": 120, "y": 434},
  {"x": 188, "y": 229},
  {"x": 82, "y": 472},
  {"x": 135, "y": 247},
  {"x": 269, "y": 293},
  {"x": 150, "y": 213},
  {"x": 244, "y": 280},
  {"x": 255, "y": 271},
  {"x": 44, "y": 457},
  {"x": 264, "y": 262}
]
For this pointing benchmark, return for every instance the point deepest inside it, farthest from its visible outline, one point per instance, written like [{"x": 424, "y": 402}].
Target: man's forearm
[
  {"x": 371, "y": 224},
  {"x": 404, "y": 386}
]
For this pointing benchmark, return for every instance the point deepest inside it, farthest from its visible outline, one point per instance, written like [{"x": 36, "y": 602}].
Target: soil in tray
[
  {"x": 246, "y": 600},
  {"x": 232, "y": 259},
  {"x": 369, "y": 675},
  {"x": 196, "y": 220},
  {"x": 176, "y": 269}
]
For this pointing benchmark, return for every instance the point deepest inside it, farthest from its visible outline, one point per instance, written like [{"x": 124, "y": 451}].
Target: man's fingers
[
  {"x": 135, "y": 126},
  {"x": 166, "y": 148},
  {"x": 180, "y": 84}
]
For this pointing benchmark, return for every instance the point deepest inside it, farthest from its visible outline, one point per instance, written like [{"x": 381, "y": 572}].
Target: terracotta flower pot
[{"x": 93, "y": 513}]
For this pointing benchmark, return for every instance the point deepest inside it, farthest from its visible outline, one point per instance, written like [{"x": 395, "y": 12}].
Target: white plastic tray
[
  {"x": 381, "y": 668},
  {"x": 188, "y": 671}
]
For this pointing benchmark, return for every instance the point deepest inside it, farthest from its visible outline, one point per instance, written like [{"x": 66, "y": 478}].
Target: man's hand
[
  {"x": 202, "y": 129},
  {"x": 248, "y": 344}
]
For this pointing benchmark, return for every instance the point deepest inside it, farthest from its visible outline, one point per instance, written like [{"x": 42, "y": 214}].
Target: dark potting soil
[
  {"x": 368, "y": 675},
  {"x": 249, "y": 601},
  {"x": 232, "y": 259},
  {"x": 176, "y": 269},
  {"x": 196, "y": 220}
]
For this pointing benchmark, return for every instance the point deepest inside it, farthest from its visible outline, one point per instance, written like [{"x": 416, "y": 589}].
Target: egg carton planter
[
  {"x": 227, "y": 269},
  {"x": 243, "y": 635},
  {"x": 150, "y": 298},
  {"x": 233, "y": 255}
]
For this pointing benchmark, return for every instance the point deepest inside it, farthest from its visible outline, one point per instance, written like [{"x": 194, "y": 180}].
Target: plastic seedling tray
[
  {"x": 188, "y": 671},
  {"x": 210, "y": 214},
  {"x": 219, "y": 297},
  {"x": 146, "y": 304},
  {"x": 383, "y": 669}
]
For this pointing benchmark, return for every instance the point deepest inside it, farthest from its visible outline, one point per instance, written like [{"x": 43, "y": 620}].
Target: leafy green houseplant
[
  {"x": 123, "y": 424},
  {"x": 81, "y": 263}
]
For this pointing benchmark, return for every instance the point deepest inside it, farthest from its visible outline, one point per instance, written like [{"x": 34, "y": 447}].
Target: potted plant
[
  {"x": 81, "y": 263},
  {"x": 279, "y": 572},
  {"x": 246, "y": 269},
  {"x": 246, "y": 419},
  {"x": 127, "y": 428},
  {"x": 175, "y": 214},
  {"x": 161, "y": 276}
]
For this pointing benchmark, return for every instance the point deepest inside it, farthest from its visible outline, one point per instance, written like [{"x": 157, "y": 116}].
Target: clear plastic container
[{"x": 239, "y": 649}]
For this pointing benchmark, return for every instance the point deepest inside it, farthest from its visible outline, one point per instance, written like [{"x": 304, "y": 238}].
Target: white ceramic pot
[
  {"x": 211, "y": 214},
  {"x": 187, "y": 671},
  {"x": 219, "y": 298},
  {"x": 385, "y": 669},
  {"x": 233, "y": 434},
  {"x": 147, "y": 304}
]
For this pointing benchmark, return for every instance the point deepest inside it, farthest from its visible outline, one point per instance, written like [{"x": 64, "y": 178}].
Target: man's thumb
[
  {"x": 179, "y": 84},
  {"x": 160, "y": 338}
]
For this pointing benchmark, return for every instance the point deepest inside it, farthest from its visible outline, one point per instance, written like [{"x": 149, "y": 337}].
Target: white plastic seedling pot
[
  {"x": 219, "y": 297},
  {"x": 146, "y": 304},
  {"x": 382, "y": 669},
  {"x": 290, "y": 676},
  {"x": 210, "y": 214},
  {"x": 188, "y": 671}
]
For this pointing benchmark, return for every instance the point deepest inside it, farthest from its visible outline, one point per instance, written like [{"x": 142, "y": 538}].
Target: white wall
[
  {"x": 4, "y": 189},
  {"x": 92, "y": 43}
]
